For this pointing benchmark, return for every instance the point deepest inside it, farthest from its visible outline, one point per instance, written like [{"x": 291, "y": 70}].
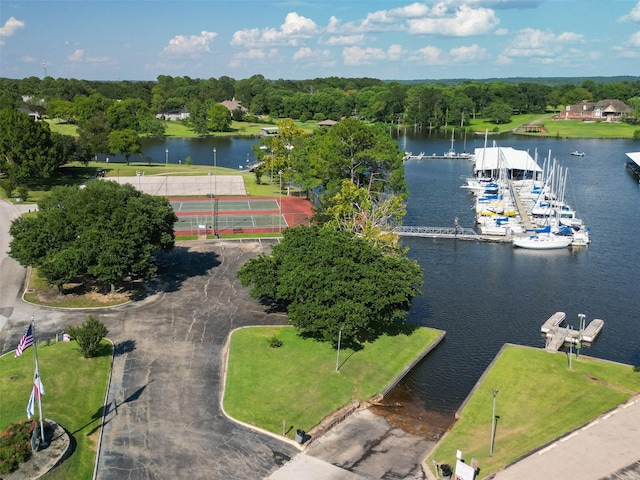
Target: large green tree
[
  {"x": 26, "y": 148},
  {"x": 105, "y": 230},
  {"x": 218, "y": 118},
  {"x": 125, "y": 142},
  {"x": 330, "y": 279}
]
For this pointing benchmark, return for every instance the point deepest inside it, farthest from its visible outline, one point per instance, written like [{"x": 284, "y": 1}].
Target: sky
[{"x": 300, "y": 39}]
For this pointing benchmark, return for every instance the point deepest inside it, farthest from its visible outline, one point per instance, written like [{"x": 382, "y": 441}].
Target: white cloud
[
  {"x": 306, "y": 52},
  {"x": 531, "y": 42},
  {"x": 428, "y": 55},
  {"x": 345, "y": 40},
  {"x": 253, "y": 55},
  {"x": 395, "y": 52},
  {"x": 464, "y": 22},
  {"x": 80, "y": 56},
  {"x": 632, "y": 16},
  {"x": 362, "y": 56},
  {"x": 293, "y": 31},
  {"x": 468, "y": 54},
  {"x": 11, "y": 26},
  {"x": 193, "y": 45},
  {"x": 634, "y": 40}
]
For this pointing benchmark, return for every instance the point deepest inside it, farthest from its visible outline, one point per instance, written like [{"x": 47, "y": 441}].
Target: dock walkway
[{"x": 557, "y": 335}]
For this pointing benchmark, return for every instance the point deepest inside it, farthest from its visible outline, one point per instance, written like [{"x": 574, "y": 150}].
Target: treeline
[{"x": 421, "y": 104}]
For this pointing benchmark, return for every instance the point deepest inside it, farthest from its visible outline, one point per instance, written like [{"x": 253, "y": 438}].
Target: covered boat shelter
[{"x": 517, "y": 164}]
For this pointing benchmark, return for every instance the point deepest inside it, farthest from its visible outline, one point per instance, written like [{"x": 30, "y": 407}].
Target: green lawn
[
  {"x": 483, "y": 124},
  {"x": 74, "y": 387},
  {"x": 538, "y": 400},
  {"x": 297, "y": 383},
  {"x": 578, "y": 129}
]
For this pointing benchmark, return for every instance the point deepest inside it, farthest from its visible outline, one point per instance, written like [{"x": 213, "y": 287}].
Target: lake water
[{"x": 486, "y": 295}]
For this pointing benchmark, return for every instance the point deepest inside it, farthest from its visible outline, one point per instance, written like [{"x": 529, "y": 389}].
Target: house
[
  {"x": 603, "y": 110},
  {"x": 173, "y": 115},
  {"x": 31, "y": 113},
  {"x": 233, "y": 105}
]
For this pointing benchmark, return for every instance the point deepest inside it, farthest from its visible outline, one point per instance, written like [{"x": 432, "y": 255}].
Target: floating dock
[{"x": 557, "y": 335}]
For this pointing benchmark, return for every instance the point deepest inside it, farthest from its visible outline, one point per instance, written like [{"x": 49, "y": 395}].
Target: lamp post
[
  {"x": 215, "y": 190},
  {"x": 166, "y": 177},
  {"x": 493, "y": 422},
  {"x": 339, "y": 341},
  {"x": 211, "y": 200},
  {"x": 280, "y": 203}
]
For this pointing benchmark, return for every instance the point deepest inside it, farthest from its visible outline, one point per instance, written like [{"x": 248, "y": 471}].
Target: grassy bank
[
  {"x": 74, "y": 394},
  {"x": 538, "y": 400},
  {"x": 299, "y": 379}
]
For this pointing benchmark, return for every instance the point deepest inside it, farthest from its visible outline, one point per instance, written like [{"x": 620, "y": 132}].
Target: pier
[
  {"x": 453, "y": 233},
  {"x": 557, "y": 335}
]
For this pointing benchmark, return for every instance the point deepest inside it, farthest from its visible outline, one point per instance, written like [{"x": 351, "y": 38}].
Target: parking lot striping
[
  {"x": 609, "y": 414},
  {"x": 545, "y": 450},
  {"x": 587, "y": 427},
  {"x": 569, "y": 437}
]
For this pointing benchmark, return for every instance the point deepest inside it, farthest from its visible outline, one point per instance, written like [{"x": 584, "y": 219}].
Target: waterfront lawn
[
  {"x": 579, "y": 129},
  {"x": 538, "y": 400},
  {"x": 481, "y": 125},
  {"x": 74, "y": 395},
  {"x": 297, "y": 383}
]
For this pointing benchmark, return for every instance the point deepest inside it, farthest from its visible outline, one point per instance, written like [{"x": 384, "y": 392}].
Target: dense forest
[{"x": 413, "y": 103}]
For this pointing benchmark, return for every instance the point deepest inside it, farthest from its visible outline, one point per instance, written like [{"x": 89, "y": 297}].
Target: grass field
[
  {"x": 74, "y": 396},
  {"x": 299, "y": 379},
  {"x": 538, "y": 400}
]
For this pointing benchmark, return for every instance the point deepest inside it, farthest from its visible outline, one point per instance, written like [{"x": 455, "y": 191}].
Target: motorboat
[{"x": 576, "y": 153}]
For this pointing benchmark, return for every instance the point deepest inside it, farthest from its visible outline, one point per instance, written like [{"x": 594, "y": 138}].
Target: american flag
[{"x": 25, "y": 342}]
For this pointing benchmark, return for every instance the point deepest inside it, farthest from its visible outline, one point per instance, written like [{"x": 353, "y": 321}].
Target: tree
[
  {"x": 94, "y": 133},
  {"x": 219, "y": 118},
  {"x": 499, "y": 112},
  {"x": 26, "y": 148},
  {"x": 105, "y": 231},
  {"x": 125, "y": 142},
  {"x": 88, "y": 335},
  {"x": 329, "y": 279}
]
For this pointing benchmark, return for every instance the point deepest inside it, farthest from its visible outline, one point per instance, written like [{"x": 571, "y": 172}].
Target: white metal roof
[
  {"x": 635, "y": 156},
  {"x": 494, "y": 158}
]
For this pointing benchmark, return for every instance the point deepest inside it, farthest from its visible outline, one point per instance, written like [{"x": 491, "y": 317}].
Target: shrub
[
  {"x": 275, "y": 342},
  {"x": 89, "y": 335},
  {"x": 636, "y": 135},
  {"x": 15, "y": 445}
]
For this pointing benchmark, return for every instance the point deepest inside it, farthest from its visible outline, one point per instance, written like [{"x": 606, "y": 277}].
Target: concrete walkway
[{"x": 608, "y": 447}]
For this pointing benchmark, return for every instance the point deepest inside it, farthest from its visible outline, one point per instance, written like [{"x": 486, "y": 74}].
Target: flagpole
[{"x": 35, "y": 354}]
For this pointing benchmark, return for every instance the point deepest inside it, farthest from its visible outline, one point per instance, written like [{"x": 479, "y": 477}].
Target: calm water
[{"x": 486, "y": 295}]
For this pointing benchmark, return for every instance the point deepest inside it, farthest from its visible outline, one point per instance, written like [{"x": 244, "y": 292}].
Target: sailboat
[{"x": 452, "y": 153}]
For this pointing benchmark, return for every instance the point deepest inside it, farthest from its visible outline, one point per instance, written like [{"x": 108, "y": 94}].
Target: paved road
[{"x": 607, "y": 448}]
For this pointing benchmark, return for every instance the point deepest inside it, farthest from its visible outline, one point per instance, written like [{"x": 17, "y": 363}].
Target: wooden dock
[
  {"x": 453, "y": 233},
  {"x": 557, "y": 335}
]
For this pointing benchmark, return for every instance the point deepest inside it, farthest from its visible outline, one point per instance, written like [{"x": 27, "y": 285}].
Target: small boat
[{"x": 576, "y": 153}]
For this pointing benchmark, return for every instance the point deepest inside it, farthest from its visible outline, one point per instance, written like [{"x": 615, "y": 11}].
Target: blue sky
[{"x": 300, "y": 39}]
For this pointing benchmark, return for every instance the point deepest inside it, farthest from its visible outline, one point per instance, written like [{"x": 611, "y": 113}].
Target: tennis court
[{"x": 229, "y": 215}]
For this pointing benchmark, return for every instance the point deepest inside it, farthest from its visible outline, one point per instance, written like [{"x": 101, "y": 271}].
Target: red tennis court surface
[{"x": 228, "y": 215}]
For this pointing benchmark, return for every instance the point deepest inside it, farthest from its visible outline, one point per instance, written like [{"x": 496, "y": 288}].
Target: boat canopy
[
  {"x": 496, "y": 158},
  {"x": 635, "y": 156}
]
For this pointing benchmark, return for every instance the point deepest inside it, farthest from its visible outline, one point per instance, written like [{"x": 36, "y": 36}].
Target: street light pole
[
  {"x": 166, "y": 177},
  {"x": 339, "y": 341},
  {"x": 215, "y": 190},
  {"x": 493, "y": 422},
  {"x": 280, "y": 204}
]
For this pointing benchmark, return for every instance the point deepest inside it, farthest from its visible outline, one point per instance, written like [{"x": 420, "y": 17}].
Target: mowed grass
[
  {"x": 298, "y": 383},
  {"x": 74, "y": 395},
  {"x": 578, "y": 129},
  {"x": 538, "y": 400}
]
